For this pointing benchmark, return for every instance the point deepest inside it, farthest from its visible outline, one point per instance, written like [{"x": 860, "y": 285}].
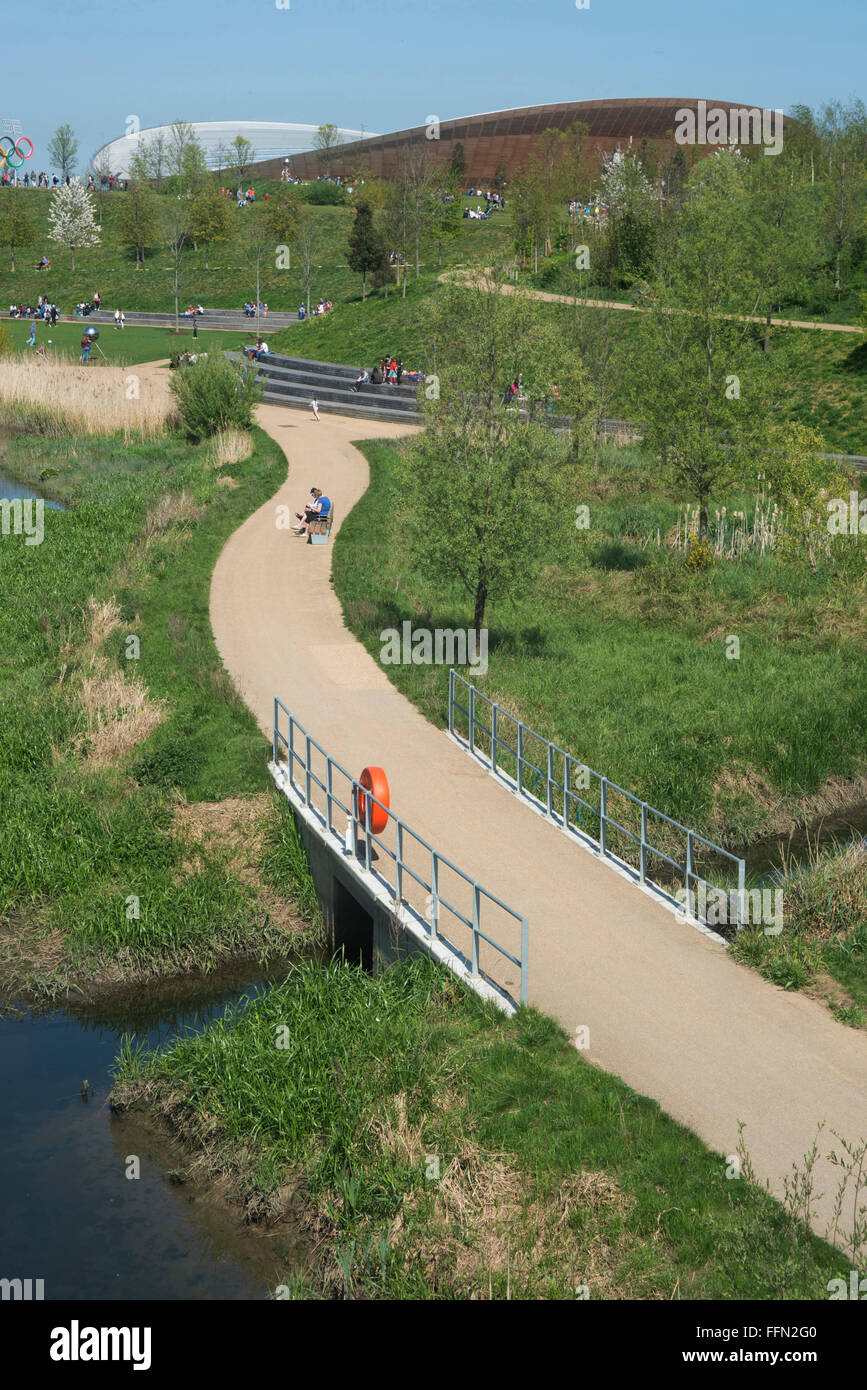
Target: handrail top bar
[{"x": 612, "y": 786}]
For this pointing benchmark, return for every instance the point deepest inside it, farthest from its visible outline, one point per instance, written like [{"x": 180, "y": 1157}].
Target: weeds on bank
[{"x": 444, "y": 1151}]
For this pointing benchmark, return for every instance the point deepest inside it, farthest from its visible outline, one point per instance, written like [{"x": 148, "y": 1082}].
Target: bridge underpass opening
[{"x": 352, "y": 927}]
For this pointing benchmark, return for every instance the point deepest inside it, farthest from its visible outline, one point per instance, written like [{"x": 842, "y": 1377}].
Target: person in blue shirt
[{"x": 319, "y": 507}]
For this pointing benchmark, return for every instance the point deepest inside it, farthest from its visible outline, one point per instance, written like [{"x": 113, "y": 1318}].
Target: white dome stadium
[{"x": 270, "y": 140}]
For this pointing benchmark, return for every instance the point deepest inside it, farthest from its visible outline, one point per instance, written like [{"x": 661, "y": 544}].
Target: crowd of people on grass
[
  {"x": 494, "y": 202},
  {"x": 321, "y": 308},
  {"x": 588, "y": 212}
]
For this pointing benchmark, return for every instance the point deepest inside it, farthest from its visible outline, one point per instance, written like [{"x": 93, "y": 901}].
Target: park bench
[{"x": 320, "y": 528}]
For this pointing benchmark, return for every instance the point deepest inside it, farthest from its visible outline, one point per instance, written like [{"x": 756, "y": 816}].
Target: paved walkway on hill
[
  {"x": 509, "y": 288},
  {"x": 667, "y": 1008}
]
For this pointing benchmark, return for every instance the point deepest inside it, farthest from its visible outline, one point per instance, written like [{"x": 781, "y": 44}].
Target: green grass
[
  {"x": 231, "y": 277},
  {"x": 376, "y": 1077},
  {"x": 618, "y": 653},
  {"x": 85, "y": 829},
  {"x": 358, "y": 334},
  {"x": 123, "y": 348}
]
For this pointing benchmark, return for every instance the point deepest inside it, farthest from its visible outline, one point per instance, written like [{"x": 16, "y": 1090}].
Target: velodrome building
[
  {"x": 272, "y": 141},
  {"x": 492, "y": 141},
  {"x": 505, "y": 139}
]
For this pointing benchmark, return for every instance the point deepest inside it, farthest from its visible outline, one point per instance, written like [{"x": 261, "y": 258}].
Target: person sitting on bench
[
  {"x": 361, "y": 380},
  {"x": 319, "y": 508}
]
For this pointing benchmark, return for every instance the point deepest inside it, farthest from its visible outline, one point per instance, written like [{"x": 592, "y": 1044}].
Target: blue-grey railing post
[
  {"x": 368, "y": 809},
  {"x": 689, "y": 875},
  {"x": 434, "y": 893},
  {"x": 520, "y": 759},
  {"x": 525, "y": 958},
  {"x": 472, "y": 734},
  {"x": 307, "y": 772},
  {"x": 276, "y": 739},
  {"x": 353, "y": 814},
  {"x": 603, "y": 812},
  {"x": 477, "y": 893},
  {"x": 495, "y": 734},
  {"x": 567, "y": 777},
  {"x": 291, "y": 751},
  {"x": 329, "y": 785},
  {"x": 398, "y": 861},
  {"x": 451, "y": 703},
  {"x": 742, "y": 879},
  {"x": 643, "y": 841},
  {"x": 550, "y": 779}
]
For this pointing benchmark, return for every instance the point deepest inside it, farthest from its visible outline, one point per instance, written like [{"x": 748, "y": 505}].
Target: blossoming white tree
[{"x": 71, "y": 217}]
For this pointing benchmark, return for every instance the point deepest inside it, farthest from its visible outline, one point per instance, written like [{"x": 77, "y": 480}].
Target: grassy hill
[{"x": 231, "y": 276}]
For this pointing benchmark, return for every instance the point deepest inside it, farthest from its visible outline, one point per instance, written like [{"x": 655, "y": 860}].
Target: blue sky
[{"x": 385, "y": 65}]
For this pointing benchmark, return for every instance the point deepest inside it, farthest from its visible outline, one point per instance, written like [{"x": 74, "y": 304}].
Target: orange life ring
[{"x": 374, "y": 780}]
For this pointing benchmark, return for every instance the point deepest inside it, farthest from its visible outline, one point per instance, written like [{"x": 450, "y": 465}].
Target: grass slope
[{"x": 106, "y": 870}]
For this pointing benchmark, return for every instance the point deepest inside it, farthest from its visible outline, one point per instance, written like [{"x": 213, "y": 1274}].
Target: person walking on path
[
  {"x": 117, "y": 319},
  {"x": 314, "y": 406},
  {"x": 195, "y": 328},
  {"x": 31, "y": 341}
]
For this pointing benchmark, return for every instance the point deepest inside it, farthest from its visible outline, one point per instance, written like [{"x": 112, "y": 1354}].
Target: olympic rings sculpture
[{"x": 6, "y": 156}]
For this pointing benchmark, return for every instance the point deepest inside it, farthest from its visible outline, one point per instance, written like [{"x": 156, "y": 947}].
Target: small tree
[
  {"x": 16, "y": 224},
  {"x": 176, "y": 232},
  {"x": 325, "y": 142},
  {"x": 495, "y": 459},
  {"x": 458, "y": 165},
  {"x": 103, "y": 171},
  {"x": 365, "y": 245},
  {"x": 241, "y": 156},
  {"x": 63, "y": 150},
  {"x": 71, "y": 217},
  {"x": 186, "y": 158},
  {"x": 150, "y": 160},
  {"x": 211, "y": 218},
  {"x": 307, "y": 242},
  {"x": 138, "y": 221}
]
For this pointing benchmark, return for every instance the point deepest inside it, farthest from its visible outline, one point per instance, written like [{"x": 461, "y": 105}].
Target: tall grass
[
  {"x": 96, "y": 747},
  {"x": 57, "y": 398}
]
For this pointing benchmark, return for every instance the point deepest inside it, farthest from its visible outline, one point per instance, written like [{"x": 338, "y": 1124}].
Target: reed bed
[{"x": 67, "y": 398}]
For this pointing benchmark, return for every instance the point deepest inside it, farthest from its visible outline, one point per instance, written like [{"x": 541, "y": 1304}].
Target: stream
[{"x": 71, "y": 1216}]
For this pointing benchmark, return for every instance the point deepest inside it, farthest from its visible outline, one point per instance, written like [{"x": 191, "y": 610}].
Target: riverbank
[
  {"x": 141, "y": 836},
  {"x": 442, "y": 1151}
]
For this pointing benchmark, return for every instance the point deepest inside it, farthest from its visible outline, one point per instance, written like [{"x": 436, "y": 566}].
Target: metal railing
[
  {"x": 545, "y": 775},
  {"x": 400, "y": 861}
]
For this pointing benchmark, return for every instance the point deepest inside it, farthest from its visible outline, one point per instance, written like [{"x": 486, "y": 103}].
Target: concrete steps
[{"x": 291, "y": 381}]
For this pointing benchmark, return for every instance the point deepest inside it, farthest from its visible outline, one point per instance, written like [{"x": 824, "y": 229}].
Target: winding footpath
[
  {"x": 548, "y": 297},
  {"x": 666, "y": 1007}
]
